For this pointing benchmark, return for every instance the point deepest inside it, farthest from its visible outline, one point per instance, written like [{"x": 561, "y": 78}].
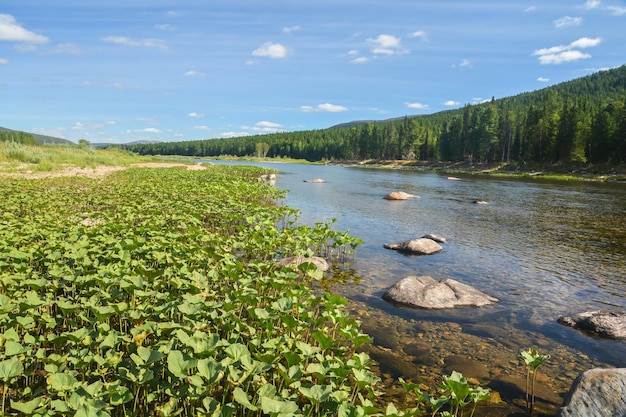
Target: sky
[{"x": 121, "y": 71}]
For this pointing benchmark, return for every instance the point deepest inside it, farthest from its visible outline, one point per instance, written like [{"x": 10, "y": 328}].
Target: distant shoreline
[{"x": 570, "y": 172}]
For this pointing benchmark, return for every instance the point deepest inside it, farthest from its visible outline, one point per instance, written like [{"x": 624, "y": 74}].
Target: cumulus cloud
[
  {"x": 146, "y": 43},
  {"x": 543, "y": 79},
  {"x": 202, "y": 127},
  {"x": 566, "y": 21},
  {"x": 194, "y": 114},
  {"x": 333, "y": 108},
  {"x": 290, "y": 29},
  {"x": 451, "y": 103},
  {"x": 10, "y": 30},
  {"x": 268, "y": 124},
  {"x": 271, "y": 50},
  {"x": 566, "y": 53},
  {"x": 193, "y": 73},
  {"x": 151, "y": 130},
  {"x": 234, "y": 134},
  {"x": 386, "y": 45},
  {"x": 419, "y": 106}
]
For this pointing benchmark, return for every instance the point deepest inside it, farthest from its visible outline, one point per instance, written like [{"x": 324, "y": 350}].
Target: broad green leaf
[
  {"x": 10, "y": 368},
  {"x": 242, "y": 398},
  {"x": 28, "y": 408},
  {"x": 278, "y": 407},
  {"x": 62, "y": 381}
]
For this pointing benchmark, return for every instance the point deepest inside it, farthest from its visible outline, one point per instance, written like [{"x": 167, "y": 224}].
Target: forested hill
[
  {"x": 30, "y": 138},
  {"x": 583, "y": 120}
]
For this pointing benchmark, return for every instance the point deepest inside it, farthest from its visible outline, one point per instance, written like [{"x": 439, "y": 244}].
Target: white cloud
[
  {"x": 419, "y": 34},
  {"x": 67, "y": 49},
  {"x": 386, "y": 45},
  {"x": 194, "y": 114},
  {"x": 566, "y": 21},
  {"x": 268, "y": 124},
  {"x": 333, "y": 108},
  {"x": 194, "y": 73},
  {"x": 10, "y": 30},
  {"x": 151, "y": 130},
  {"x": 543, "y": 79},
  {"x": 591, "y": 4},
  {"x": 271, "y": 50},
  {"x": 566, "y": 53},
  {"x": 166, "y": 27},
  {"x": 234, "y": 134},
  {"x": 419, "y": 106},
  {"x": 616, "y": 10},
  {"x": 530, "y": 9},
  {"x": 451, "y": 103},
  {"x": 148, "y": 43},
  {"x": 465, "y": 63},
  {"x": 290, "y": 29},
  {"x": 353, "y": 52},
  {"x": 4, "y": 61},
  {"x": 202, "y": 127},
  {"x": 359, "y": 60}
]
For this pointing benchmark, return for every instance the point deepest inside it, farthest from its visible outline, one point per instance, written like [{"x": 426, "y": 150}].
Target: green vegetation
[
  {"x": 157, "y": 292},
  {"x": 9, "y": 135},
  {"x": 533, "y": 360},
  {"x": 580, "y": 121},
  {"x": 15, "y": 156}
]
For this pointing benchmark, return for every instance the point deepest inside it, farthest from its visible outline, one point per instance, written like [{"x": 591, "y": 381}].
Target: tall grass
[{"x": 16, "y": 156}]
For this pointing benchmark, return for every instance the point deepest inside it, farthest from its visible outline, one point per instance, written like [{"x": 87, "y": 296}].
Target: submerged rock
[
  {"x": 316, "y": 181},
  {"x": 421, "y": 246},
  {"x": 604, "y": 323},
  {"x": 426, "y": 292},
  {"x": 596, "y": 393},
  {"x": 400, "y": 195}
]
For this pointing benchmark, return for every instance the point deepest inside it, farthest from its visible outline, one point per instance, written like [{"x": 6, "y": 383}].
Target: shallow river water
[{"x": 544, "y": 248}]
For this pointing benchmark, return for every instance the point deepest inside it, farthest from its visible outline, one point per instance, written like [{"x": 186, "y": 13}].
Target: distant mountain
[
  {"x": 41, "y": 139},
  {"x": 137, "y": 142}
]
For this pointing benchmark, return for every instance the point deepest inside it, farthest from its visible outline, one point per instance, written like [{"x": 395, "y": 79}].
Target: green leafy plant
[{"x": 533, "y": 360}]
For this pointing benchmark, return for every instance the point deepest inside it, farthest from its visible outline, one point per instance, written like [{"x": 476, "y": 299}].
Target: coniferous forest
[{"x": 583, "y": 120}]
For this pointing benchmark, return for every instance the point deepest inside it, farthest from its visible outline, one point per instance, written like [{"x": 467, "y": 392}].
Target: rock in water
[
  {"x": 399, "y": 195},
  {"x": 596, "y": 393},
  {"x": 425, "y": 292},
  {"x": 604, "y": 323},
  {"x": 421, "y": 246}
]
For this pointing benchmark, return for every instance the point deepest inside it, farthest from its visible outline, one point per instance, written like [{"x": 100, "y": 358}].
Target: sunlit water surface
[{"x": 544, "y": 248}]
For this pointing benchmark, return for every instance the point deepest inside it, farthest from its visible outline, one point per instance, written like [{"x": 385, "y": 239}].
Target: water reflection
[{"x": 543, "y": 248}]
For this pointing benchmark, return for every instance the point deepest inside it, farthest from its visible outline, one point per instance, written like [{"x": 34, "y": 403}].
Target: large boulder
[
  {"x": 597, "y": 393},
  {"x": 604, "y": 323},
  {"x": 400, "y": 195},
  {"x": 426, "y": 292},
  {"x": 421, "y": 246}
]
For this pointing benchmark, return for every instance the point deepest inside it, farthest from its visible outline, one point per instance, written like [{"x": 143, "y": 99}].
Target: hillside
[
  {"x": 578, "y": 121},
  {"x": 39, "y": 139}
]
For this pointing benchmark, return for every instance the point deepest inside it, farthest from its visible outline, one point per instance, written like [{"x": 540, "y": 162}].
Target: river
[{"x": 544, "y": 248}]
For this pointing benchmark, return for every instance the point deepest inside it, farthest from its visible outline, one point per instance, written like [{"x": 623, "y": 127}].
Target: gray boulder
[
  {"x": 400, "y": 195},
  {"x": 436, "y": 238},
  {"x": 596, "y": 393},
  {"x": 294, "y": 261},
  {"x": 421, "y": 246},
  {"x": 426, "y": 292},
  {"x": 604, "y": 323}
]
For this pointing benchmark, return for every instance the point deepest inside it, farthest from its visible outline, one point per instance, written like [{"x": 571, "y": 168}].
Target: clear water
[{"x": 544, "y": 248}]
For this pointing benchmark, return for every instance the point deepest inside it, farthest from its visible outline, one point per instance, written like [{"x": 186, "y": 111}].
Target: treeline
[
  {"x": 583, "y": 120},
  {"x": 17, "y": 137}
]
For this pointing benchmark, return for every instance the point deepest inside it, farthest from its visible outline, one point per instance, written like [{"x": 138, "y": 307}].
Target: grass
[{"x": 15, "y": 157}]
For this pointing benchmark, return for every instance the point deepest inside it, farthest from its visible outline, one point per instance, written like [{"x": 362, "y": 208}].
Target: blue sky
[{"x": 121, "y": 71}]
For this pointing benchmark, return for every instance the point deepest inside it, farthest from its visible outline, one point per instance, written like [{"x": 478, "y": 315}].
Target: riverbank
[{"x": 571, "y": 171}]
